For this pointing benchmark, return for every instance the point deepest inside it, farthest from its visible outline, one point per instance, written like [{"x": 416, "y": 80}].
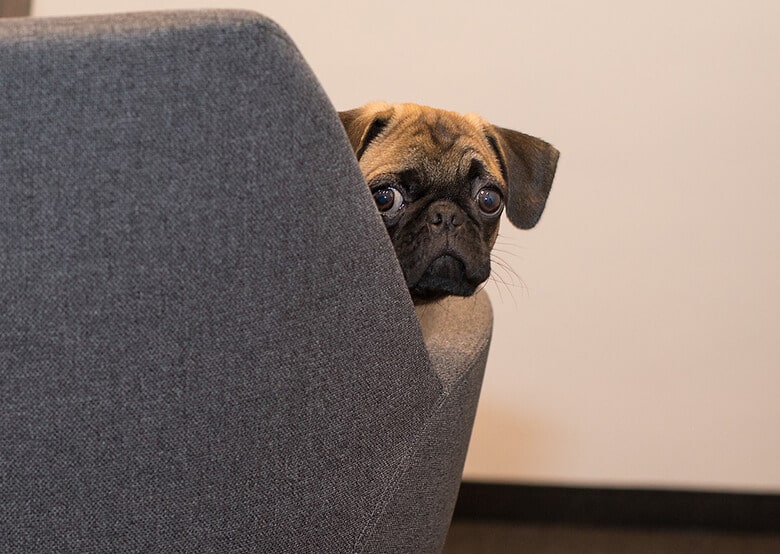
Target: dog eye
[
  {"x": 489, "y": 201},
  {"x": 388, "y": 200}
]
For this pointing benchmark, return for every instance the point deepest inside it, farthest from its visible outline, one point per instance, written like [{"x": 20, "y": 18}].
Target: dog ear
[
  {"x": 528, "y": 165},
  {"x": 364, "y": 124}
]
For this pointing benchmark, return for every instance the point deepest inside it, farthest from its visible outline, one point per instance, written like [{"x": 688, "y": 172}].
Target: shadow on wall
[{"x": 503, "y": 446}]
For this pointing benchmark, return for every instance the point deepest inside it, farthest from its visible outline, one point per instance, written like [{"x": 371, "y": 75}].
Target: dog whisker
[
  {"x": 507, "y": 253},
  {"x": 484, "y": 285},
  {"x": 415, "y": 160},
  {"x": 507, "y": 267},
  {"x": 508, "y": 248},
  {"x": 504, "y": 275},
  {"x": 500, "y": 286}
]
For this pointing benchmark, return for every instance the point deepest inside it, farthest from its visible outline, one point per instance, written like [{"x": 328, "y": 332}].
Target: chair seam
[{"x": 404, "y": 464}]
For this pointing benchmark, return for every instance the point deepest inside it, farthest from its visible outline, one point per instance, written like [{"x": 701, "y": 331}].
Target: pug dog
[{"x": 441, "y": 181}]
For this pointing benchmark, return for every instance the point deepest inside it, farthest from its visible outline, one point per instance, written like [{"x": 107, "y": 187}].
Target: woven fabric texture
[{"x": 206, "y": 344}]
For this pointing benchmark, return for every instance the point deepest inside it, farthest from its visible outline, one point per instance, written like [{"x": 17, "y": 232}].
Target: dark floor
[{"x": 476, "y": 537}]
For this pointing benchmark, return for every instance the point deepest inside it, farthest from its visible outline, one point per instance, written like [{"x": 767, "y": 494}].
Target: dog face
[{"x": 441, "y": 181}]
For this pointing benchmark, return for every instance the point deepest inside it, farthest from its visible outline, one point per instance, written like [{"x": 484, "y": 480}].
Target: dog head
[{"x": 441, "y": 181}]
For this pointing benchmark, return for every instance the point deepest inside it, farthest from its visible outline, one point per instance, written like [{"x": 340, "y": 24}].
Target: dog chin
[{"x": 446, "y": 275}]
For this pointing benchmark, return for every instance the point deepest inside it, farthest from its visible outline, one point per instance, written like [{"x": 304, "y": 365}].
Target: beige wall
[{"x": 640, "y": 343}]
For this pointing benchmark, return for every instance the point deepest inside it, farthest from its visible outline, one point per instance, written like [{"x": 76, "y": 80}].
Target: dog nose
[{"x": 444, "y": 216}]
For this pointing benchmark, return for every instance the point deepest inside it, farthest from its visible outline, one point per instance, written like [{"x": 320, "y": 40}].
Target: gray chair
[{"x": 206, "y": 344}]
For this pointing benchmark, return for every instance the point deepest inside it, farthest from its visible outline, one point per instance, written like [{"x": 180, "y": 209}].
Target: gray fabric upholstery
[{"x": 206, "y": 344}]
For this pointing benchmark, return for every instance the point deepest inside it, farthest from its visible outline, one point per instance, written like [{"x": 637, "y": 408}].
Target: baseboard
[
  {"x": 646, "y": 508},
  {"x": 14, "y": 8}
]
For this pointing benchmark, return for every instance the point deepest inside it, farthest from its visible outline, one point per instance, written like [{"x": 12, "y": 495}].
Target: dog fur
[{"x": 441, "y": 181}]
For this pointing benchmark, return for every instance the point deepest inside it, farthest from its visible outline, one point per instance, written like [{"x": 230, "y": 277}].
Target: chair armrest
[
  {"x": 207, "y": 343},
  {"x": 457, "y": 335}
]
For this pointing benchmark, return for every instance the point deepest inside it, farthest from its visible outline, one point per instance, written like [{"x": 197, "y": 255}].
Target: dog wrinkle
[{"x": 444, "y": 148}]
